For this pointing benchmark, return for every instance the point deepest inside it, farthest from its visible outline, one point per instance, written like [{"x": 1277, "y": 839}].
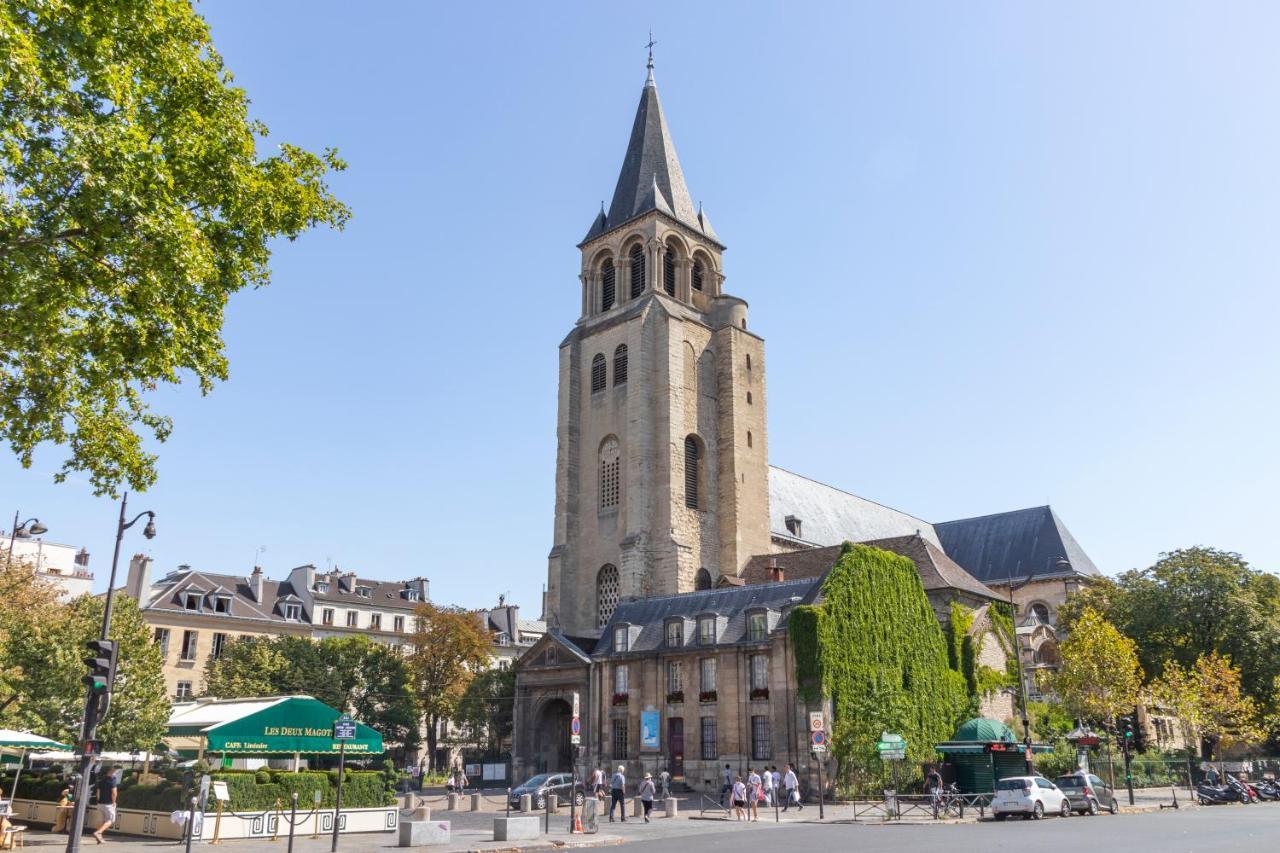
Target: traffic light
[
  {"x": 101, "y": 671},
  {"x": 1126, "y": 733},
  {"x": 1139, "y": 739}
]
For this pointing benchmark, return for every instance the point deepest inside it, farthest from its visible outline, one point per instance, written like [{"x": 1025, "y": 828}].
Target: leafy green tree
[
  {"x": 1208, "y": 702},
  {"x": 49, "y": 653},
  {"x": 134, "y": 203},
  {"x": 485, "y": 711},
  {"x": 1192, "y": 603},
  {"x": 248, "y": 666},
  {"x": 449, "y": 647},
  {"x": 1099, "y": 678},
  {"x": 25, "y": 598}
]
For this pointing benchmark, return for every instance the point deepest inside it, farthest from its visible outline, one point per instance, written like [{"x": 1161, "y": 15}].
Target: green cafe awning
[{"x": 280, "y": 726}]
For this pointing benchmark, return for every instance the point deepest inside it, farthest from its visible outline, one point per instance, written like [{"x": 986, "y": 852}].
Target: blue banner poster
[{"x": 648, "y": 729}]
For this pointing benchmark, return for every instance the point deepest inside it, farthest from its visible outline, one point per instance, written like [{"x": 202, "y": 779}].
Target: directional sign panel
[{"x": 344, "y": 728}]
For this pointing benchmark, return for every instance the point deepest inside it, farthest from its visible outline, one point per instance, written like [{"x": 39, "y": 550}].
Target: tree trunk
[{"x": 433, "y": 726}]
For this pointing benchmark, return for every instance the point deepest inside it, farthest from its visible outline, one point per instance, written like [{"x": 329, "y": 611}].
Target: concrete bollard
[
  {"x": 516, "y": 828},
  {"x": 636, "y": 809},
  {"x": 526, "y": 803},
  {"x": 421, "y": 813},
  {"x": 418, "y": 833},
  {"x": 453, "y": 802},
  {"x": 669, "y": 806},
  {"x": 476, "y": 803},
  {"x": 553, "y": 802}
]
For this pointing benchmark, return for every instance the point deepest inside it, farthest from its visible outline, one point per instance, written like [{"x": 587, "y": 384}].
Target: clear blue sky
[{"x": 1001, "y": 255}]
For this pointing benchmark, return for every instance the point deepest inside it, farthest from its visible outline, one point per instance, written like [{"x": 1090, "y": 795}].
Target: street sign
[
  {"x": 575, "y": 730},
  {"x": 889, "y": 737},
  {"x": 344, "y": 728},
  {"x": 819, "y": 739},
  {"x": 895, "y": 755},
  {"x": 816, "y": 721},
  {"x": 575, "y": 704}
]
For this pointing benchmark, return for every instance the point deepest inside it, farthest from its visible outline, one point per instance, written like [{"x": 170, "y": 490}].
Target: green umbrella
[{"x": 23, "y": 742}]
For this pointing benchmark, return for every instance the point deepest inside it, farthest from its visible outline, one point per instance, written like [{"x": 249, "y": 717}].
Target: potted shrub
[
  {"x": 707, "y": 696},
  {"x": 675, "y": 697},
  {"x": 760, "y": 693},
  {"x": 620, "y": 698}
]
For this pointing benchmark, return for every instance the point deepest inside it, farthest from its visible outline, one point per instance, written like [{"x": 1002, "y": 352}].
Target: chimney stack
[
  {"x": 138, "y": 584},
  {"x": 255, "y": 583},
  {"x": 776, "y": 572}
]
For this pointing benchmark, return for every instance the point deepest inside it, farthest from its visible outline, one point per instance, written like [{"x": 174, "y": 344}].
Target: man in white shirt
[
  {"x": 597, "y": 782},
  {"x": 792, "y": 786},
  {"x": 766, "y": 779}
]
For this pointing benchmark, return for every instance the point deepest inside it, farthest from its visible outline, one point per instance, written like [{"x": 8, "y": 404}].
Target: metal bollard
[
  {"x": 293, "y": 816},
  {"x": 191, "y": 823},
  {"x": 508, "y": 802}
]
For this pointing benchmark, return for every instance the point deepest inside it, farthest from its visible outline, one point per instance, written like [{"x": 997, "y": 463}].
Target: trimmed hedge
[{"x": 361, "y": 789}]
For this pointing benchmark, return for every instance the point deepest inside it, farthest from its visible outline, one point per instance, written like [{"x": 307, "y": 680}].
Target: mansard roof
[
  {"x": 651, "y": 178},
  {"x": 1023, "y": 543},
  {"x": 730, "y": 604},
  {"x": 830, "y": 516}
]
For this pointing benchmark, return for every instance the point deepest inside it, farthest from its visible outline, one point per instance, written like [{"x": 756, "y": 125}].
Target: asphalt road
[{"x": 1255, "y": 828}]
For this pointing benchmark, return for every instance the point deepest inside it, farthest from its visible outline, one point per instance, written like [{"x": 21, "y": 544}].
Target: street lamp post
[
  {"x": 95, "y": 707},
  {"x": 21, "y": 531}
]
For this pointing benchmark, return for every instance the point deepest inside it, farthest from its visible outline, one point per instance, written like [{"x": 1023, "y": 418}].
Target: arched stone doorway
[{"x": 551, "y": 737}]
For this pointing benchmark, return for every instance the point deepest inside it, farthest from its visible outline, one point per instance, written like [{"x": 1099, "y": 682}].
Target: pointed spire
[
  {"x": 649, "y": 80},
  {"x": 704, "y": 223}
]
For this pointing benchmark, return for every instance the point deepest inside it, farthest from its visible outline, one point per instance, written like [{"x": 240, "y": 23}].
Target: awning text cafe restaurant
[{"x": 275, "y": 727}]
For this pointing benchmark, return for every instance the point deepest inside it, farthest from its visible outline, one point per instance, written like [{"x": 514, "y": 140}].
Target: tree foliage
[
  {"x": 882, "y": 659},
  {"x": 485, "y": 711},
  {"x": 1192, "y": 603},
  {"x": 352, "y": 674},
  {"x": 134, "y": 202},
  {"x": 1100, "y": 677},
  {"x": 449, "y": 647},
  {"x": 1207, "y": 699},
  {"x": 25, "y": 598},
  {"x": 47, "y": 651}
]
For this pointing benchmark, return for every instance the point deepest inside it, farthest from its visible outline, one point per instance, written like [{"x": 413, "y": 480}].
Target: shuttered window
[
  {"x": 669, "y": 272},
  {"x": 610, "y": 467},
  {"x": 691, "y": 472},
  {"x": 697, "y": 275},
  {"x": 599, "y": 373},
  {"x": 637, "y": 271},
  {"x": 608, "y": 286},
  {"x": 620, "y": 365},
  {"x": 606, "y": 594}
]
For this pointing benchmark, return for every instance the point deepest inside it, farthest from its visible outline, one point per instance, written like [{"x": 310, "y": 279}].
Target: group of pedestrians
[
  {"x": 767, "y": 786},
  {"x": 618, "y": 791}
]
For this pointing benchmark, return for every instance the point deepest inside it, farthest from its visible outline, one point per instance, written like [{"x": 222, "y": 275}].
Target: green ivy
[
  {"x": 802, "y": 630},
  {"x": 882, "y": 657}
]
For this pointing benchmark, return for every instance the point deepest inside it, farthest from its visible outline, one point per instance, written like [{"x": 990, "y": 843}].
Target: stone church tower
[{"x": 662, "y": 459}]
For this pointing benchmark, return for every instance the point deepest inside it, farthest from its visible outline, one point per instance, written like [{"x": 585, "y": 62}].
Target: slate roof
[
  {"x": 830, "y": 516},
  {"x": 168, "y": 594},
  {"x": 732, "y": 603},
  {"x": 1022, "y": 543},
  {"x": 937, "y": 570},
  {"x": 651, "y": 178},
  {"x": 383, "y": 594}
]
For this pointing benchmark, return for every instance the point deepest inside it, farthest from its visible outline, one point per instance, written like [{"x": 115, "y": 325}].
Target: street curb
[{"x": 550, "y": 845}]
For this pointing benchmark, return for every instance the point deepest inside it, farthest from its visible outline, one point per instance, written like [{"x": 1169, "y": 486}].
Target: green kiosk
[{"x": 982, "y": 751}]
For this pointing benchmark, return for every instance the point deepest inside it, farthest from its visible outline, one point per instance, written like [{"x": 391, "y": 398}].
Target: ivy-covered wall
[{"x": 875, "y": 648}]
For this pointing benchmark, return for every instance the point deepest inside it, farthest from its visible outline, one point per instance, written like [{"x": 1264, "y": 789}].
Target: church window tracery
[
  {"x": 606, "y": 594},
  {"x": 610, "y": 470},
  {"x": 669, "y": 271},
  {"x": 599, "y": 373},
  {"x": 620, "y": 365},
  {"x": 637, "y": 271},
  {"x": 697, "y": 275},
  {"x": 608, "y": 285}
]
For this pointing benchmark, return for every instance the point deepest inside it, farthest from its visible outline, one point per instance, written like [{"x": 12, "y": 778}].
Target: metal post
[
  {"x": 897, "y": 789},
  {"x": 777, "y": 816},
  {"x": 13, "y": 536},
  {"x": 337, "y": 797},
  {"x": 1128, "y": 770},
  {"x": 1022, "y": 680},
  {"x": 508, "y": 802},
  {"x": 821, "y": 785},
  {"x": 191, "y": 823},
  {"x": 573, "y": 797},
  {"x": 293, "y": 816}
]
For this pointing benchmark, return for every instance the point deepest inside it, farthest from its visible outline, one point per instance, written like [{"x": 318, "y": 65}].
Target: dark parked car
[
  {"x": 548, "y": 783},
  {"x": 1088, "y": 793}
]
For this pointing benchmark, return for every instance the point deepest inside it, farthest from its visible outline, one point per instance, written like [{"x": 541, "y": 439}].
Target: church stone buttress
[{"x": 661, "y": 457}]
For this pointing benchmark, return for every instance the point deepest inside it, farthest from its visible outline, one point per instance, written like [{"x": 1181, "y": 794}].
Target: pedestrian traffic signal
[{"x": 102, "y": 666}]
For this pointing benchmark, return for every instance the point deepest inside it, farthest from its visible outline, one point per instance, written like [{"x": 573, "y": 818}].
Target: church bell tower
[{"x": 661, "y": 452}]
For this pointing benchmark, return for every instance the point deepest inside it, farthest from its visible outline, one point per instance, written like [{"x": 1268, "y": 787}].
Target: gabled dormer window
[
  {"x": 503, "y": 639},
  {"x": 706, "y": 630},
  {"x": 222, "y": 604},
  {"x": 757, "y": 626},
  {"x": 322, "y": 586},
  {"x": 192, "y": 601},
  {"x": 621, "y": 639},
  {"x": 293, "y": 612},
  {"x": 363, "y": 591},
  {"x": 675, "y": 633}
]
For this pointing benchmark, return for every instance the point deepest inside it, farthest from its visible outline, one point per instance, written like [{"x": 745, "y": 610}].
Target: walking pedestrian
[
  {"x": 664, "y": 789},
  {"x": 792, "y": 787},
  {"x": 739, "y": 799},
  {"x": 646, "y": 795},
  {"x": 727, "y": 786},
  {"x": 766, "y": 779},
  {"x": 618, "y": 793},
  {"x": 777, "y": 781},
  {"x": 754, "y": 793},
  {"x": 62, "y": 818},
  {"x": 108, "y": 790},
  {"x": 597, "y": 782}
]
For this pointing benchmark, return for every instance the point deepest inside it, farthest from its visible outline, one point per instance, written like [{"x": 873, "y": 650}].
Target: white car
[{"x": 1030, "y": 796}]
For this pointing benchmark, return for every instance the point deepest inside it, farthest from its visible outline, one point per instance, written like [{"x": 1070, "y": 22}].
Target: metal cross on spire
[{"x": 650, "y": 47}]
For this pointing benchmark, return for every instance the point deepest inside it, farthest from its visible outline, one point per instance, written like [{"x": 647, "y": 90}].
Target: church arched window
[
  {"x": 610, "y": 473},
  {"x": 702, "y": 580},
  {"x": 692, "y": 453},
  {"x": 669, "y": 271},
  {"x": 606, "y": 594},
  {"x": 598, "y": 373},
  {"x": 608, "y": 285},
  {"x": 637, "y": 270},
  {"x": 620, "y": 365},
  {"x": 697, "y": 275}
]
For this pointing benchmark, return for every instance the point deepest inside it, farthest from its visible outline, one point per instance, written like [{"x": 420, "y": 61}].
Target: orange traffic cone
[{"x": 577, "y": 825}]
